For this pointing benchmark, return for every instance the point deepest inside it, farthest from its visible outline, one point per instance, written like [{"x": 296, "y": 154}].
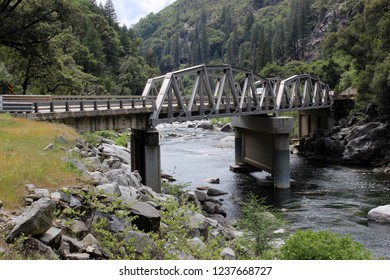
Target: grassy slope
[{"x": 23, "y": 158}]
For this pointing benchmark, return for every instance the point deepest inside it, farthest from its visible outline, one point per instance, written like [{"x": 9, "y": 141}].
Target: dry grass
[{"x": 23, "y": 158}]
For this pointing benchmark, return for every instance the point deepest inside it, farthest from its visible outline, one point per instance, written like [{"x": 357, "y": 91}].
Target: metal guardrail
[{"x": 197, "y": 92}]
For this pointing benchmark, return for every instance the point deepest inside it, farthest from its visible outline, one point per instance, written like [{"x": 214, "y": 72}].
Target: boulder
[
  {"x": 78, "y": 227},
  {"x": 119, "y": 152},
  {"x": 197, "y": 225},
  {"x": 73, "y": 244},
  {"x": 122, "y": 177},
  {"x": 78, "y": 256},
  {"x": 228, "y": 254},
  {"x": 212, "y": 180},
  {"x": 201, "y": 196},
  {"x": 32, "y": 246},
  {"x": 148, "y": 218},
  {"x": 52, "y": 238},
  {"x": 35, "y": 219},
  {"x": 142, "y": 242},
  {"x": 206, "y": 125},
  {"x": 215, "y": 192},
  {"x": 111, "y": 189},
  {"x": 227, "y": 128},
  {"x": 380, "y": 214}
]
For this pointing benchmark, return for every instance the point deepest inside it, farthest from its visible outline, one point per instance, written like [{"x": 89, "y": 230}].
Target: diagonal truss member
[{"x": 204, "y": 91}]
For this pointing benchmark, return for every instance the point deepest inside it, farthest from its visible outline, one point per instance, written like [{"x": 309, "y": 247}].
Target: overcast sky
[{"x": 129, "y": 12}]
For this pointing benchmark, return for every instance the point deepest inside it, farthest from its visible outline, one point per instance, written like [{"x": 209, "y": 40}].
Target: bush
[
  {"x": 323, "y": 245},
  {"x": 259, "y": 223}
]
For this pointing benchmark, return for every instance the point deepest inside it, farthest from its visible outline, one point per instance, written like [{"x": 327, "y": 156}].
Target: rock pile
[
  {"x": 73, "y": 222},
  {"x": 353, "y": 141}
]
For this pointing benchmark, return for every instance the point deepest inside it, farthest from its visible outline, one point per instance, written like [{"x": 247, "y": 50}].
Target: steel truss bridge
[{"x": 194, "y": 93}]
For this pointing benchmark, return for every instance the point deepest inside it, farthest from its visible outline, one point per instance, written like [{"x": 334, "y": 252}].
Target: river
[{"x": 336, "y": 198}]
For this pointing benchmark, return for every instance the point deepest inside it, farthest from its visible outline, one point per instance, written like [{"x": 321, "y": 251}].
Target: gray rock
[
  {"x": 74, "y": 244},
  {"x": 78, "y": 256},
  {"x": 142, "y": 242},
  {"x": 201, "y": 196},
  {"x": 111, "y": 189},
  {"x": 215, "y": 192},
  {"x": 122, "y": 177},
  {"x": 380, "y": 214},
  {"x": 119, "y": 152},
  {"x": 34, "y": 246},
  {"x": 197, "y": 243},
  {"x": 213, "y": 180},
  {"x": 77, "y": 164},
  {"x": 61, "y": 196},
  {"x": 228, "y": 254},
  {"x": 148, "y": 218},
  {"x": 74, "y": 202},
  {"x": 213, "y": 208},
  {"x": 89, "y": 240},
  {"x": 128, "y": 194},
  {"x": 206, "y": 125},
  {"x": 35, "y": 219},
  {"x": 98, "y": 178},
  {"x": 227, "y": 128},
  {"x": 52, "y": 237},
  {"x": 197, "y": 225},
  {"x": 78, "y": 227}
]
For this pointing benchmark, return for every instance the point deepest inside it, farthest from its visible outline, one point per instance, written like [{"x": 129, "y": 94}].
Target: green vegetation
[
  {"x": 94, "y": 138},
  {"x": 323, "y": 245},
  {"x": 23, "y": 158},
  {"x": 259, "y": 221},
  {"x": 70, "y": 48}
]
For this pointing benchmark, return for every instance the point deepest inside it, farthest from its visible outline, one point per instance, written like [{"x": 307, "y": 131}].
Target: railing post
[
  {"x": 121, "y": 104},
  {"x": 95, "y": 107},
  {"x": 67, "y": 106},
  {"x": 51, "y": 107},
  {"x": 1, "y": 102},
  {"x": 108, "y": 104},
  {"x": 81, "y": 106},
  {"x": 36, "y": 107}
]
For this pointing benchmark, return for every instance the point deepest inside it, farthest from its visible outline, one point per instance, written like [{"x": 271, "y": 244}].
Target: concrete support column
[
  {"x": 145, "y": 157},
  {"x": 281, "y": 161},
  {"x": 238, "y": 146}
]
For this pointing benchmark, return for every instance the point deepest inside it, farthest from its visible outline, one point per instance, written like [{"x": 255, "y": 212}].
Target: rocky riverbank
[
  {"x": 355, "y": 140},
  {"x": 111, "y": 215}
]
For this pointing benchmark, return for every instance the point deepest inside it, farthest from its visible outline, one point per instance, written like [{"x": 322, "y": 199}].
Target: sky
[{"x": 129, "y": 12}]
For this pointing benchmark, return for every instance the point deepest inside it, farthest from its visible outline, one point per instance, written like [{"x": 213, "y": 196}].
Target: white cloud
[{"x": 131, "y": 11}]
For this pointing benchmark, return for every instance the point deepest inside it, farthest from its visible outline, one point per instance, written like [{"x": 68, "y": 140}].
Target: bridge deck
[{"x": 194, "y": 93}]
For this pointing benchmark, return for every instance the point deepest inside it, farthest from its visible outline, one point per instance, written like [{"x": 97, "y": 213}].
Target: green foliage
[
  {"x": 174, "y": 189},
  {"x": 69, "y": 48},
  {"x": 259, "y": 222},
  {"x": 323, "y": 245},
  {"x": 94, "y": 138}
]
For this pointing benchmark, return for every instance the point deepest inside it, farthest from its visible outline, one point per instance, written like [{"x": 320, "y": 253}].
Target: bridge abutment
[
  {"x": 145, "y": 156},
  {"x": 262, "y": 143}
]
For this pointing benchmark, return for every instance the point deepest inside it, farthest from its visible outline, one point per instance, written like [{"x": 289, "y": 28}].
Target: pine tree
[{"x": 109, "y": 12}]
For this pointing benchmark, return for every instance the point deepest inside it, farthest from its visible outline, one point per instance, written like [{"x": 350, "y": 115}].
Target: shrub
[
  {"x": 323, "y": 245},
  {"x": 259, "y": 222}
]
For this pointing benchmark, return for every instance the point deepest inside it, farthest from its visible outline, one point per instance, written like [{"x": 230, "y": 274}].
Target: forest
[{"x": 78, "y": 46}]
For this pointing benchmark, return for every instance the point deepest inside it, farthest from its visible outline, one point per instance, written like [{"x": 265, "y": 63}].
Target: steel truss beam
[{"x": 204, "y": 91}]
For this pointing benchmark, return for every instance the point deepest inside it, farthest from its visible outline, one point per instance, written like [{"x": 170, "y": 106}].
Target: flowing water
[{"x": 330, "y": 197}]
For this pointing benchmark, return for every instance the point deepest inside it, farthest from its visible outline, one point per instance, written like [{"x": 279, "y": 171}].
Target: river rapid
[{"x": 325, "y": 197}]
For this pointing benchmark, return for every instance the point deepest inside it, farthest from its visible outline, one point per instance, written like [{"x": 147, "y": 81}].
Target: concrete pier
[
  {"x": 145, "y": 157},
  {"x": 263, "y": 143}
]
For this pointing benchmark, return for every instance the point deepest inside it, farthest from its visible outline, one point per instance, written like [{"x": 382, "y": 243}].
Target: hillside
[
  {"x": 345, "y": 42},
  {"x": 245, "y": 33}
]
